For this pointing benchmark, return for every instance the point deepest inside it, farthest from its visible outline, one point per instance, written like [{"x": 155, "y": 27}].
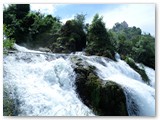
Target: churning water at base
[{"x": 43, "y": 85}]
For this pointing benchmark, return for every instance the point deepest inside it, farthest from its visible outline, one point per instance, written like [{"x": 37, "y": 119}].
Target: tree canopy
[
  {"x": 98, "y": 39},
  {"x": 35, "y": 29}
]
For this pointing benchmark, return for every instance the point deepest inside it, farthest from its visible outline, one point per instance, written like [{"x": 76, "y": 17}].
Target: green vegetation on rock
[
  {"x": 142, "y": 72},
  {"x": 9, "y": 108},
  {"x": 8, "y": 43},
  {"x": 104, "y": 98},
  {"x": 113, "y": 100}
]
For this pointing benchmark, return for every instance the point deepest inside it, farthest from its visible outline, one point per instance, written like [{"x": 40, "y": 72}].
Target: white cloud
[
  {"x": 67, "y": 18},
  {"x": 139, "y": 15},
  {"x": 44, "y": 8}
]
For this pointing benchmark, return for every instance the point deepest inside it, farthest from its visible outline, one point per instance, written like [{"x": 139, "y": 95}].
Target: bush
[{"x": 8, "y": 43}]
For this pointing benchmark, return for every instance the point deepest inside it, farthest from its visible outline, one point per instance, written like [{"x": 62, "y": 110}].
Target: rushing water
[{"x": 43, "y": 84}]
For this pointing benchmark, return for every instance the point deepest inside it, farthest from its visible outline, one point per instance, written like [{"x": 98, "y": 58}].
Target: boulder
[
  {"x": 113, "y": 100},
  {"x": 105, "y": 98}
]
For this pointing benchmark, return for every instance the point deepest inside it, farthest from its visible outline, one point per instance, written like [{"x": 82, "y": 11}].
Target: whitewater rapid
[
  {"x": 43, "y": 84},
  {"x": 140, "y": 96}
]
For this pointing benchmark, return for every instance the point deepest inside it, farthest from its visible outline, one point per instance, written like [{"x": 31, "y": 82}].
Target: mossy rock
[
  {"x": 142, "y": 72},
  {"x": 9, "y": 107},
  {"x": 113, "y": 100},
  {"x": 93, "y": 85},
  {"x": 103, "y": 98}
]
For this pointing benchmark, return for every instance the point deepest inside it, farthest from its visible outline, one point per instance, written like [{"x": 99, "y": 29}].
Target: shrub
[{"x": 8, "y": 43}]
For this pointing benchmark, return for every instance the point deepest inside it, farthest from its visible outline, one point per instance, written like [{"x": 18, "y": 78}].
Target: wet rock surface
[{"x": 105, "y": 98}]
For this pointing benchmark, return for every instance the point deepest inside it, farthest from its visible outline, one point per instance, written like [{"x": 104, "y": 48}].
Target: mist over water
[{"x": 43, "y": 84}]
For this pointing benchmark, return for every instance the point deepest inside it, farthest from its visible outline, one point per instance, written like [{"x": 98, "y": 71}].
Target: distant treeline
[{"x": 35, "y": 30}]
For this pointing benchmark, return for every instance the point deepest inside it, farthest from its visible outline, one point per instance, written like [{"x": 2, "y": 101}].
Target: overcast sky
[{"x": 139, "y": 15}]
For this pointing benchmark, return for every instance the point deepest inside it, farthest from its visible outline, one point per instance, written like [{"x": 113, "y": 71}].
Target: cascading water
[
  {"x": 150, "y": 73},
  {"x": 43, "y": 85},
  {"x": 140, "y": 96}
]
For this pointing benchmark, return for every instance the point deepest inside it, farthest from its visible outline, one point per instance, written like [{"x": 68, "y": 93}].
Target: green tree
[
  {"x": 31, "y": 28},
  {"x": 72, "y": 36},
  {"x": 22, "y": 10},
  {"x": 129, "y": 32},
  {"x": 130, "y": 42},
  {"x": 13, "y": 19},
  {"x": 80, "y": 20},
  {"x": 144, "y": 51},
  {"x": 43, "y": 29},
  {"x": 98, "y": 39},
  {"x": 97, "y": 32},
  {"x": 124, "y": 46}
]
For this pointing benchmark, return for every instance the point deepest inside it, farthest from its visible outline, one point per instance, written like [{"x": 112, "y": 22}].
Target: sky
[{"x": 139, "y": 15}]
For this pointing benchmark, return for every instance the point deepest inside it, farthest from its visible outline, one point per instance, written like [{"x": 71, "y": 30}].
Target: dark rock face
[
  {"x": 113, "y": 100},
  {"x": 104, "y": 98}
]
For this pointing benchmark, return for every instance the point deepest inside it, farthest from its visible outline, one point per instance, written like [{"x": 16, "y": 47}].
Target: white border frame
[{"x": 85, "y": 2}]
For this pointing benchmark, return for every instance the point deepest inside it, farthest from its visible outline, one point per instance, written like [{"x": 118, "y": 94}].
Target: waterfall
[
  {"x": 43, "y": 87},
  {"x": 43, "y": 84},
  {"x": 150, "y": 73},
  {"x": 140, "y": 96}
]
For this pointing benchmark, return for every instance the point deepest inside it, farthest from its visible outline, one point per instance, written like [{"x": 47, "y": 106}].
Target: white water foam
[
  {"x": 43, "y": 88},
  {"x": 44, "y": 85},
  {"x": 140, "y": 96}
]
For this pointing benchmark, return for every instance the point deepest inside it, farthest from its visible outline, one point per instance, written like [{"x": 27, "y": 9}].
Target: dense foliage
[
  {"x": 71, "y": 36},
  {"x": 8, "y": 43},
  {"x": 37, "y": 30},
  {"x": 31, "y": 28},
  {"x": 98, "y": 39},
  {"x": 132, "y": 43}
]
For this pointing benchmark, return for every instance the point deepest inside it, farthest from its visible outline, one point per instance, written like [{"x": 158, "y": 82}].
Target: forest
[{"x": 34, "y": 30}]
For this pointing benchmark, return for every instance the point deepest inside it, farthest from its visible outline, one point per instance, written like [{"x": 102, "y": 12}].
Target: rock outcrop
[{"x": 105, "y": 98}]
